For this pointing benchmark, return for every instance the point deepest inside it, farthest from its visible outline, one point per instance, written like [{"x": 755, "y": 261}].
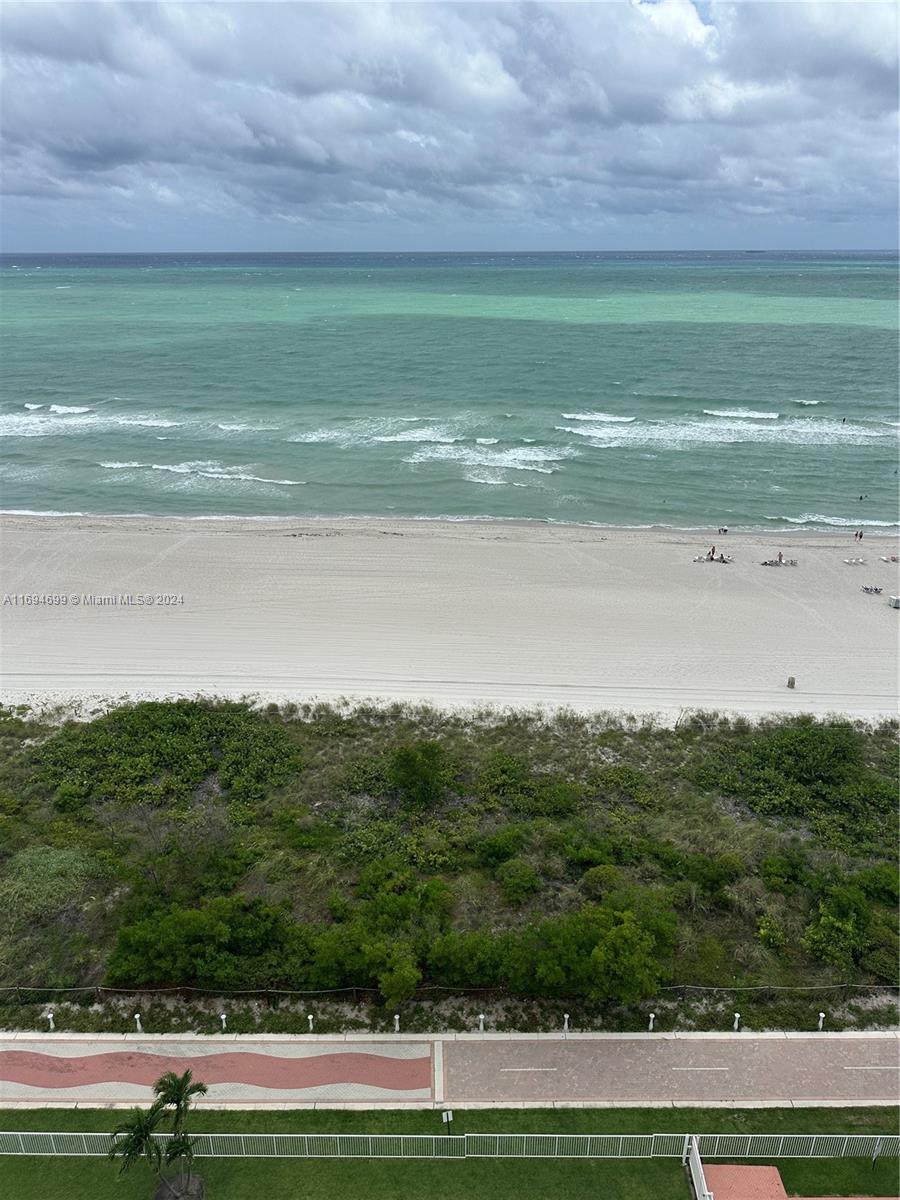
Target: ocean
[{"x": 682, "y": 390}]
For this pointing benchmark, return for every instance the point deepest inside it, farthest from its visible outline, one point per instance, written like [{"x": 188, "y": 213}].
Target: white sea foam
[
  {"x": 741, "y": 413},
  {"x": 492, "y": 477},
  {"x": 678, "y": 435},
  {"x": 147, "y": 422},
  {"x": 844, "y": 522},
  {"x": 487, "y": 441},
  {"x": 807, "y": 402},
  {"x": 76, "y": 420},
  {"x": 602, "y": 417},
  {"x": 237, "y": 427},
  {"x": 369, "y": 430},
  {"x": 33, "y": 407},
  {"x": 203, "y": 470},
  {"x": 38, "y": 512},
  {"x": 524, "y": 458},
  {"x": 426, "y": 433},
  {"x": 32, "y": 424}
]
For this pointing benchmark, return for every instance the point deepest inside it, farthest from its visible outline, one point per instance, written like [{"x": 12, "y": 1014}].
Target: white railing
[
  {"x": 481, "y": 1145},
  {"x": 694, "y": 1164}
]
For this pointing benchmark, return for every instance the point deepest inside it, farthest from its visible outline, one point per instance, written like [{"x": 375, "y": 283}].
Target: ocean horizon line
[{"x": 893, "y": 251}]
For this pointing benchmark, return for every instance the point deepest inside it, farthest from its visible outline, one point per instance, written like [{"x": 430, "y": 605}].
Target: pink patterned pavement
[
  {"x": 260, "y": 1070},
  {"x": 287, "y": 1071}
]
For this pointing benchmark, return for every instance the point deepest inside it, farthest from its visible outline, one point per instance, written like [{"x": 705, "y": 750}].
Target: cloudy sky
[{"x": 620, "y": 125}]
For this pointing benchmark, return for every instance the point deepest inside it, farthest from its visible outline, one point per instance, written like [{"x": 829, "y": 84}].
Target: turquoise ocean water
[{"x": 753, "y": 390}]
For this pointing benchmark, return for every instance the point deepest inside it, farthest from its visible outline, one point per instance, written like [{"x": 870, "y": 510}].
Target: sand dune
[{"x": 453, "y": 613}]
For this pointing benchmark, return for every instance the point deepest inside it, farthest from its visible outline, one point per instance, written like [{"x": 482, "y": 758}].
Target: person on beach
[{"x": 780, "y": 559}]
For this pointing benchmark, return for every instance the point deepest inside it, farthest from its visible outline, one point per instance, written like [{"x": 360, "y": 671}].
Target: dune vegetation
[{"x": 596, "y": 860}]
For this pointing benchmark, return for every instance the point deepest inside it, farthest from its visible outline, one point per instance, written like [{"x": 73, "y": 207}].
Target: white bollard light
[
  {"x": 652, "y": 1019},
  {"x": 309, "y": 1018},
  {"x": 396, "y": 1022},
  {"x": 137, "y": 1021},
  {"x": 737, "y": 1022},
  {"x": 223, "y": 1020},
  {"x": 481, "y": 1022},
  {"x": 821, "y": 1022},
  {"x": 50, "y": 1019},
  {"x": 565, "y": 1022}
]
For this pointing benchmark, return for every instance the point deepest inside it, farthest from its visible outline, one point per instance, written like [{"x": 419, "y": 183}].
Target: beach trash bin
[
  {"x": 895, "y": 601},
  {"x": 792, "y": 682}
]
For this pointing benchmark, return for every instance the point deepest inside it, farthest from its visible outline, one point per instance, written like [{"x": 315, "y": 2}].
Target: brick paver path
[
  {"x": 727, "y": 1182},
  {"x": 490, "y": 1071}
]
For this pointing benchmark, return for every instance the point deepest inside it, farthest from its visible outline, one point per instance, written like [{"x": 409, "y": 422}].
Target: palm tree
[
  {"x": 177, "y": 1092},
  {"x": 180, "y": 1149},
  {"x": 135, "y": 1140}
]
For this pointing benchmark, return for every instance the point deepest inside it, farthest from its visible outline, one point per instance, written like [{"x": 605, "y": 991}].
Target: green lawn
[
  {"x": 509, "y": 1120},
  {"x": 505, "y": 1179},
  {"x": 508, "y": 1179}
]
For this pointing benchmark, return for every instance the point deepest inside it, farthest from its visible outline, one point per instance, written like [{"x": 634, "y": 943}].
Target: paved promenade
[{"x": 492, "y": 1070}]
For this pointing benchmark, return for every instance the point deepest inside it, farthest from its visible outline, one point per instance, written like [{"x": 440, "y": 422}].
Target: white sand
[{"x": 453, "y": 613}]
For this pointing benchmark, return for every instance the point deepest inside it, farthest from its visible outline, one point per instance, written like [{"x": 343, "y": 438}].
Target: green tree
[
  {"x": 839, "y": 934},
  {"x": 623, "y": 963},
  {"x": 134, "y": 1141},
  {"x": 178, "y": 1092}
]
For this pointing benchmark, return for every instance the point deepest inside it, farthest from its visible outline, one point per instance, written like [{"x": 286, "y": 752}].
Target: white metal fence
[
  {"x": 694, "y": 1164},
  {"x": 481, "y": 1145}
]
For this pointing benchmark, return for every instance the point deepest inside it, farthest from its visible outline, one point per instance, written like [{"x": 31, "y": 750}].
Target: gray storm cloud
[{"x": 538, "y": 118}]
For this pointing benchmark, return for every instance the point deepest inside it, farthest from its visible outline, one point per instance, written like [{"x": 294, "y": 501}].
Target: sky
[{"x": 632, "y": 124}]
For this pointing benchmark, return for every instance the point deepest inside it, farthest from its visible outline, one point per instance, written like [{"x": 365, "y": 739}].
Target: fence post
[{"x": 685, "y": 1149}]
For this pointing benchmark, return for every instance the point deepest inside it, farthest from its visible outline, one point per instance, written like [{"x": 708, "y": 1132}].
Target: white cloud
[{"x": 563, "y": 114}]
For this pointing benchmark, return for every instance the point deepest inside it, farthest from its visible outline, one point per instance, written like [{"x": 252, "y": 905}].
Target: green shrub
[
  {"x": 230, "y": 943},
  {"x": 508, "y": 782},
  {"x": 880, "y": 882},
  {"x": 784, "y": 872},
  {"x": 429, "y": 849},
  {"x": 771, "y": 933},
  {"x": 518, "y": 880},
  {"x": 839, "y": 934},
  {"x": 882, "y": 951},
  {"x": 505, "y": 843},
  {"x": 598, "y": 882},
  {"x": 367, "y": 777},
  {"x": 419, "y": 773},
  {"x": 628, "y": 783},
  {"x": 159, "y": 753}
]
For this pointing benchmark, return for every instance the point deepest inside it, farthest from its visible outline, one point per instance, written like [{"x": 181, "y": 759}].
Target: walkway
[{"x": 360, "y": 1071}]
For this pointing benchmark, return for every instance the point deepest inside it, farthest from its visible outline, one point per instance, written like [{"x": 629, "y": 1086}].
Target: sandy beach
[{"x": 457, "y": 614}]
